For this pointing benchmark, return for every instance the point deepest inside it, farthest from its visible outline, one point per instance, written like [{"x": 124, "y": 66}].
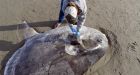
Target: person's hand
[
  {"x": 77, "y": 34},
  {"x": 73, "y": 30},
  {"x": 56, "y": 25}
]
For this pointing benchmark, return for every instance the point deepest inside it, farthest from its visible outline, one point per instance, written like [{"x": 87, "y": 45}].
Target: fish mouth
[
  {"x": 74, "y": 43},
  {"x": 77, "y": 46}
]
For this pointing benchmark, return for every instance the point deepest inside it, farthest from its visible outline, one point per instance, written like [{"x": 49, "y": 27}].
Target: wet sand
[{"x": 122, "y": 17}]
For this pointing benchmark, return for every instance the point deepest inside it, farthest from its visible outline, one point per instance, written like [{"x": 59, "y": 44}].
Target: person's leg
[
  {"x": 61, "y": 13},
  {"x": 61, "y": 16}
]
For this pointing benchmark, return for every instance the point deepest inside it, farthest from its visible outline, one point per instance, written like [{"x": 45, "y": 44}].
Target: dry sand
[{"x": 122, "y": 17}]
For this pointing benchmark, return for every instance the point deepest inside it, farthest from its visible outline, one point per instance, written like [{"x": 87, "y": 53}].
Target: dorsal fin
[{"x": 28, "y": 31}]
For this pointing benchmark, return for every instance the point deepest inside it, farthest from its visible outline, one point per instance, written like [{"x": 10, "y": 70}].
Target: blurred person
[{"x": 75, "y": 13}]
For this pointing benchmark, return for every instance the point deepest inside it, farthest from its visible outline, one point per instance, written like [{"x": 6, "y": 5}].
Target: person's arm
[
  {"x": 82, "y": 15},
  {"x": 74, "y": 30},
  {"x": 81, "y": 20}
]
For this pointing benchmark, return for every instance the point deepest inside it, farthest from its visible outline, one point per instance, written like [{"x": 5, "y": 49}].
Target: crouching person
[{"x": 75, "y": 13}]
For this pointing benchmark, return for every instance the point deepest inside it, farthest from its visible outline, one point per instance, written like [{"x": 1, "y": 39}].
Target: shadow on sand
[
  {"x": 34, "y": 24},
  {"x": 8, "y": 46}
]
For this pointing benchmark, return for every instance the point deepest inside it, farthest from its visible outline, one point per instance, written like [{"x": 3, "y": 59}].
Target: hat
[{"x": 71, "y": 10}]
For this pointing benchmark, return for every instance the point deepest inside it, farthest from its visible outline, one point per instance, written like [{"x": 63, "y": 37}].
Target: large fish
[{"x": 53, "y": 53}]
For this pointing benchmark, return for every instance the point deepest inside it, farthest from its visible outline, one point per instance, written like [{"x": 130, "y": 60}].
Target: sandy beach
[{"x": 122, "y": 17}]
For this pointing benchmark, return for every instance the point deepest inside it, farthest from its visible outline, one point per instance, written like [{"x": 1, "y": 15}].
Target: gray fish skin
[
  {"x": 27, "y": 30},
  {"x": 44, "y": 54}
]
